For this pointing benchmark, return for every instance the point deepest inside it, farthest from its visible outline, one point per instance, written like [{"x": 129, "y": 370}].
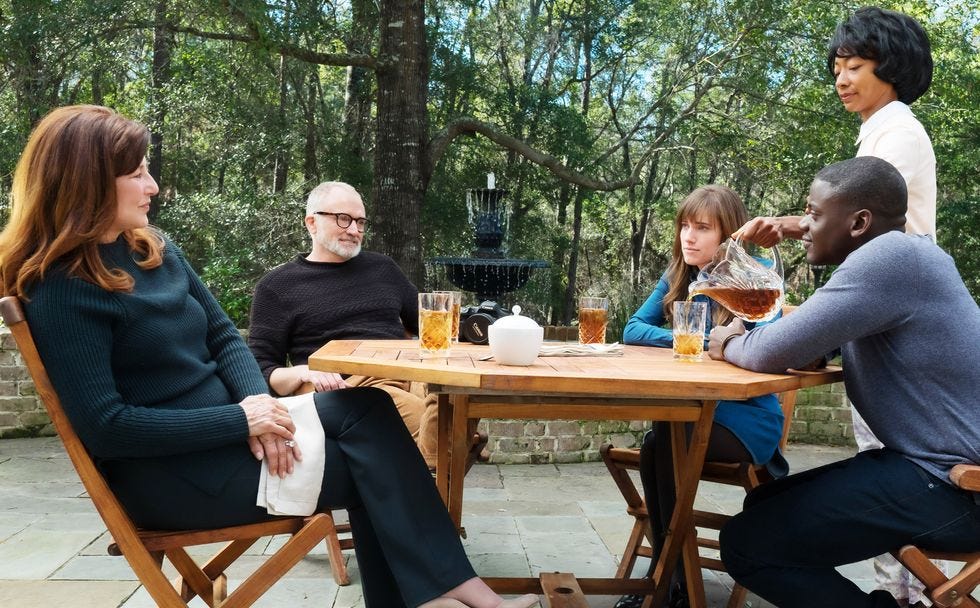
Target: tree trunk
[
  {"x": 357, "y": 96},
  {"x": 401, "y": 167},
  {"x": 281, "y": 171},
  {"x": 559, "y": 252},
  {"x": 311, "y": 172},
  {"x": 28, "y": 73},
  {"x": 638, "y": 238},
  {"x": 571, "y": 285},
  {"x": 96, "y": 78},
  {"x": 160, "y": 77}
]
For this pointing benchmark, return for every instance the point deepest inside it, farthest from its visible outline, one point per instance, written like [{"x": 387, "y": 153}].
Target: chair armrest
[{"x": 966, "y": 476}]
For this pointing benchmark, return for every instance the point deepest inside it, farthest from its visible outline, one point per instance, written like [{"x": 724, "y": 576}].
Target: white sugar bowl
[{"x": 515, "y": 339}]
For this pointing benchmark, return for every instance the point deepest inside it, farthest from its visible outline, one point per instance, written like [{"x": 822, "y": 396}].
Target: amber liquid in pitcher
[{"x": 749, "y": 304}]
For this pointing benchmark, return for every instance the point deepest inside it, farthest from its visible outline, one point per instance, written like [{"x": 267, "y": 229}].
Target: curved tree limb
[
  {"x": 461, "y": 126},
  {"x": 290, "y": 50}
]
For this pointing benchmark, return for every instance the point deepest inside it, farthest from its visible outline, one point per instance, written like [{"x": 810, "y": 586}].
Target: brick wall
[
  {"x": 21, "y": 412},
  {"x": 822, "y": 416}
]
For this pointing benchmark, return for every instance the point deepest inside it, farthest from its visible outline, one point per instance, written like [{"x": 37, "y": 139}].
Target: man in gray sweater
[{"x": 909, "y": 334}]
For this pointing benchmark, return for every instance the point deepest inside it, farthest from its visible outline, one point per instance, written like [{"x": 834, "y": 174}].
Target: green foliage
[
  {"x": 232, "y": 240},
  {"x": 732, "y": 92}
]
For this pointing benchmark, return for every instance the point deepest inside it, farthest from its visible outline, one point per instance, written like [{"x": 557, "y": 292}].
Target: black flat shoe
[
  {"x": 678, "y": 597},
  {"x": 630, "y": 601}
]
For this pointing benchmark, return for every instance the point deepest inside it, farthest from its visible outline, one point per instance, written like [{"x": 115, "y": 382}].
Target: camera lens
[{"x": 474, "y": 328}]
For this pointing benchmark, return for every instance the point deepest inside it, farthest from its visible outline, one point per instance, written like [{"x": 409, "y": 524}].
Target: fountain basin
[{"x": 488, "y": 278}]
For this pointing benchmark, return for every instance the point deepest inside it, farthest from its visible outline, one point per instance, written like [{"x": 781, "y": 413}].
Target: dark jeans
[
  {"x": 793, "y": 532},
  {"x": 408, "y": 550}
]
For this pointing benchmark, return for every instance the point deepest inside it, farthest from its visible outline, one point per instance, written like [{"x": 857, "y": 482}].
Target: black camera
[{"x": 475, "y": 320}]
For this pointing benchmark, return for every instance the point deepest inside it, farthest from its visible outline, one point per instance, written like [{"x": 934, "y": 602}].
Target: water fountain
[{"x": 488, "y": 273}]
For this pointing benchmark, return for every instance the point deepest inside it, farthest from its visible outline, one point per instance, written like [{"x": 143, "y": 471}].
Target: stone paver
[{"x": 520, "y": 520}]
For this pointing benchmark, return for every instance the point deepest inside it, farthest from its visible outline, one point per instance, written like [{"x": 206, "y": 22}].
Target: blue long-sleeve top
[{"x": 757, "y": 422}]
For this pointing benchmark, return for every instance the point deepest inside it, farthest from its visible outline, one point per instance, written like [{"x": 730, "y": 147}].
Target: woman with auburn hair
[
  {"x": 166, "y": 397},
  {"x": 743, "y": 431},
  {"x": 58, "y": 206}
]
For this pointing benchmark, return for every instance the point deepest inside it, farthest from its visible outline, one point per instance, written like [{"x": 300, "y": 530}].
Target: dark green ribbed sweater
[{"x": 156, "y": 372}]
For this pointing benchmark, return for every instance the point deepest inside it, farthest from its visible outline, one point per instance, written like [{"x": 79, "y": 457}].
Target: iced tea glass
[
  {"x": 688, "y": 330},
  {"x": 435, "y": 324},
  {"x": 592, "y": 317},
  {"x": 457, "y": 306}
]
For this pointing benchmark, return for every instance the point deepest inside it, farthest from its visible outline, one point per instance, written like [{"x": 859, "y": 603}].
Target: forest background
[{"x": 597, "y": 116}]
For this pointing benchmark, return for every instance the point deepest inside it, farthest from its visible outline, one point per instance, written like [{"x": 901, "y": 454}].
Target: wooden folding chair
[
  {"x": 620, "y": 461},
  {"x": 946, "y": 592},
  {"x": 145, "y": 549}
]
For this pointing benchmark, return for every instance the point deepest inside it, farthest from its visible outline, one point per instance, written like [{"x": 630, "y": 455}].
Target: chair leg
[
  {"x": 276, "y": 566},
  {"x": 193, "y": 580},
  {"x": 224, "y": 558},
  {"x": 629, "y": 554},
  {"x": 692, "y": 566},
  {"x": 338, "y": 566},
  {"x": 737, "y": 598}
]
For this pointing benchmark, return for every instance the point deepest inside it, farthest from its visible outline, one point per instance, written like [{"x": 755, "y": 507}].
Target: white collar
[{"x": 885, "y": 113}]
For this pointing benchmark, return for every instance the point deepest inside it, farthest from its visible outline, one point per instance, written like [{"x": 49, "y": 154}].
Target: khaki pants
[{"x": 418, "y": 409}]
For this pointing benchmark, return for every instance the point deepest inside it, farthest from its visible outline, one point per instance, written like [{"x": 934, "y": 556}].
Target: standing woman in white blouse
[{"x": 881, "y": 61}]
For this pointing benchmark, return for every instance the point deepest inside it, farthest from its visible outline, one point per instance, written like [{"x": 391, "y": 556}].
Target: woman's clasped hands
[{"x": 270, "y": 430}]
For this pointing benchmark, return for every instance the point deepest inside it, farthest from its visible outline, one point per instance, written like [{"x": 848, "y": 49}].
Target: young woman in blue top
[
  {"x": 743, "y": 431},
  {"x": 164, "y": 393}
]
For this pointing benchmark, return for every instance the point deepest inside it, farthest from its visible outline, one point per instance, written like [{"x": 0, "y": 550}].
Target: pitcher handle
[{"x": 777, "y": 261}]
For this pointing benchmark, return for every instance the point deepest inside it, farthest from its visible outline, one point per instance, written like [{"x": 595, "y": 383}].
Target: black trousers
[
  {"x": 408, "y": 550},
  {"x": 657, "y": 477},
  {"x": 793, "y": 532}
]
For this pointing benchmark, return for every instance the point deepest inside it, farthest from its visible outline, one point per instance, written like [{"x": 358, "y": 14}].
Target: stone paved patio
[{"x": 520, "y": 519}]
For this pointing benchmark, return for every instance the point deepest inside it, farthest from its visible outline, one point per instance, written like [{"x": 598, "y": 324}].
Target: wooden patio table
[{"x": 644, "y": 383}]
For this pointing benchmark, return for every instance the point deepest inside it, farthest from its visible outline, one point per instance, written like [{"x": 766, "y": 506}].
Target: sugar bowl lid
[{"x": 516, "y": 320}]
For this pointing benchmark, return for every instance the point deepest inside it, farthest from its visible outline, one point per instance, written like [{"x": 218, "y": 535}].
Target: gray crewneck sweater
[{"x": 909, "y": 333}]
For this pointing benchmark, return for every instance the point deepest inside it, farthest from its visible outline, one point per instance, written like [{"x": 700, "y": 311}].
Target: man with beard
[{"x": 337, "y": 292}]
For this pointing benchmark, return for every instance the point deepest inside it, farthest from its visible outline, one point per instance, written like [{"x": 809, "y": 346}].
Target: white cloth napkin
[
  {"x": 297, "y": 493},
  {"x": 581, "y": 350}
]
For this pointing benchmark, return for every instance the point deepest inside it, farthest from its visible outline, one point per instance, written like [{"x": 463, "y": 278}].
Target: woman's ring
[{"x": 289, "y": 443}]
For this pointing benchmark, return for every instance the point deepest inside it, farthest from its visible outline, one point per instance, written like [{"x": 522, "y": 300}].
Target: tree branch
[
  {"x": 461, "y": 126},
  {"x": 290, "y": 50}
]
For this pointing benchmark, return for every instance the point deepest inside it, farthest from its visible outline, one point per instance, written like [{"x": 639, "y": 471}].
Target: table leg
[
  {"x": 442, "y": 462},
  {"x": 458, "y": 451},
  {"x": 687, "y": 475},
  {"x": 690, "y": 554}
]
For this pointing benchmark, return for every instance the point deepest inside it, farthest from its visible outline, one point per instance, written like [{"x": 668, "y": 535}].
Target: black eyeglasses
[{"x": 344, "y": 220}]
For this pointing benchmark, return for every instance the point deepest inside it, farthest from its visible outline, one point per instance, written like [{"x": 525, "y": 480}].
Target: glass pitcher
[{"x": 749, "y": 286}]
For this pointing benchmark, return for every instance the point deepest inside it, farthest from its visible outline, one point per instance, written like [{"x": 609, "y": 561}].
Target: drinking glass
[
  {"x": 592, "y": 318},
  {"x": 688, "y": 329},
  {"x": 435, "y": 324},
  {"x": 457, "y": 306}
]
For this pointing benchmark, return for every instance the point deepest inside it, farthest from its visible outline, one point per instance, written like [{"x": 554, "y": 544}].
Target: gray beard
[{"x": 344, "y": 251}]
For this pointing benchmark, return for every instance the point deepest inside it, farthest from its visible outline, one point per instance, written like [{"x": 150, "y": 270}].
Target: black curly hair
[{"x": 896, "y": 41}]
